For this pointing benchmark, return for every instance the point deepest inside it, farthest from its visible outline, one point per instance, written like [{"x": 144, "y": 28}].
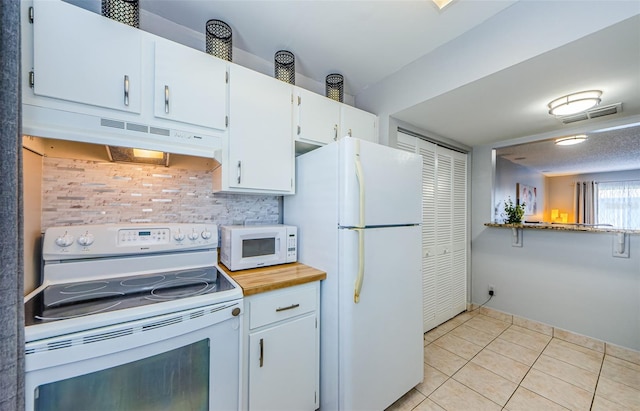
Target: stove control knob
[
  {"x": 206, "y": 234},
  {"x": 194, "y": 235},
  {"x": 86, "y": 239},
  {"x": 64, "y": 240},
  {"x": 178, "y": 236}
]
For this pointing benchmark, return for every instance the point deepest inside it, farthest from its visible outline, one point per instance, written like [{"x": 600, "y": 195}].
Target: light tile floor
[{"x": 478, "y": 362}]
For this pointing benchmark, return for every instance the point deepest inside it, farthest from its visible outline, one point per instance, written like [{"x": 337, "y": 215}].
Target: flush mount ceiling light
[
  {"x": 442, "y": 3},
  {"x": 569, "y": 141},
  {"x": 574, "y": 103}
]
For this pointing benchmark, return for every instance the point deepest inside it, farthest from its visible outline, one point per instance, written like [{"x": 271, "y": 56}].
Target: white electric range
[{"x": 133, "y": 317}]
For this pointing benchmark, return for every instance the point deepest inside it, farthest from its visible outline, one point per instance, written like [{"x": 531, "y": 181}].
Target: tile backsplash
[{"x": 93, "y": 192}]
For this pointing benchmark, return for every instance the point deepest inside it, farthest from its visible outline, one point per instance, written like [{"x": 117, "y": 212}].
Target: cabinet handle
[
  {"x": 298, "y": 130},
  {"x": 166, "y": 99},
  {"x": 291, "y": 307},
  {"x": 239, "y": 171},
  {"x": 335, "y": 132},
  {"x": 349, "y": 133},
  {"x": 261, "y": 352},
  {"x": 126, "y": 90}
]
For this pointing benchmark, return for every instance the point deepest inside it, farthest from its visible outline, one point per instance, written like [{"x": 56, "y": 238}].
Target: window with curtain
[{"x": 619, "y": 204}]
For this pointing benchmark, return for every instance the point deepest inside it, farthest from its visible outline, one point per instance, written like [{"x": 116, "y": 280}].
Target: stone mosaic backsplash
[{"x": 93, "y": 192}]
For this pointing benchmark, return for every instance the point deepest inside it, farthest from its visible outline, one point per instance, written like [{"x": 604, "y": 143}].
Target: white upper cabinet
[
  {"x": 358, "y": 123},
  {"x": 259, "y": 155},
  {"x": 189, "y": 86},
  {"x": 83, "y": 57},
  {"x": 316, "y": 118}
]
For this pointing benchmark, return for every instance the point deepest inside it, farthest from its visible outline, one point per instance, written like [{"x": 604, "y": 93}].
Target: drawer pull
[
  {"x": 291, "y": 307},
  {"x": 261, "y": 351}
]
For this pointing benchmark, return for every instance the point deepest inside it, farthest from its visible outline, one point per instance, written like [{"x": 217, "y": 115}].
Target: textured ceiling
[{"x": 603, "y": 151}]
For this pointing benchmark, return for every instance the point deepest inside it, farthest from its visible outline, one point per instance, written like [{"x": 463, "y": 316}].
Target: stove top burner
[
  {"x": 63, "y": 301},
  {"x": 139, "y": 281},
  {"x": 84, "y": 288}
]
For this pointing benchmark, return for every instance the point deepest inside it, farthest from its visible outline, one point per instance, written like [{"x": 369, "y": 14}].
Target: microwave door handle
[{"x": 278, "y": 244}]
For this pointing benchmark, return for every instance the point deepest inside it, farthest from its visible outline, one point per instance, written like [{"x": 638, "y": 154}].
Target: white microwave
[{"x": 243, "y": 247}]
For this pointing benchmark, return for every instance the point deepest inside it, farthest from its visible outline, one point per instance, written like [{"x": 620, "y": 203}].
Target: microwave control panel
[{"x": 292, "y": 244}]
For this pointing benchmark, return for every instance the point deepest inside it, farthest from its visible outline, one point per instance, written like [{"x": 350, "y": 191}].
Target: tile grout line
[{"x": 595, "y": 389}]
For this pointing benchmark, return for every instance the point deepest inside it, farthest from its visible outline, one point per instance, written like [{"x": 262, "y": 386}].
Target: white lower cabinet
[{"x": 282, "y": 349}]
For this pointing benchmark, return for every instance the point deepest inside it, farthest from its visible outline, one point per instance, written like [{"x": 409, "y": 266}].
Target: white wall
[
  {"x": 565, "y": 279},
  {"x": 508, "y": 175}
]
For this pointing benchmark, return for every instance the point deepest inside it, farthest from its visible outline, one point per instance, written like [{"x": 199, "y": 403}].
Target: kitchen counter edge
[
  {"x": 259, "y": 280},
  {"x": 564, "y": 227}
]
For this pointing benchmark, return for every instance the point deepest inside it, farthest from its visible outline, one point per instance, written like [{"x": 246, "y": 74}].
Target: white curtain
[
  {"x": 586, "y": 202},
  {"x": 619, "y": 204}
]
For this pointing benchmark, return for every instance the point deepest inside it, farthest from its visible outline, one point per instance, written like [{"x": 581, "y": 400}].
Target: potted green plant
[{"x": 513, "y": 212}]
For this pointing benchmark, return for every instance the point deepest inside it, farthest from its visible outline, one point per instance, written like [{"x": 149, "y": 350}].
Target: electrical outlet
[{"x": 492, "y": 290}]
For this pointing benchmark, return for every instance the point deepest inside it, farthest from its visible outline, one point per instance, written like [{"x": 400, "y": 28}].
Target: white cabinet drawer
[{"x": 280, "y": 305}]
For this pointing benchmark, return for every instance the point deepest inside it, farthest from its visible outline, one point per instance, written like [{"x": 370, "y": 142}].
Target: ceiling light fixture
[
  {"x": 574, "y": 103},
  {"x": 569, "y": 141},
  {"x": 442, "y": 3}
]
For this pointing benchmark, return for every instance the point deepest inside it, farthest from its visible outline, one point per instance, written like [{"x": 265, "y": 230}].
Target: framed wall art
[{"x": 527, "y": 194}]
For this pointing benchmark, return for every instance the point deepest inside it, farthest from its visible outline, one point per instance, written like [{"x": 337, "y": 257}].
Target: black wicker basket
[
  {"x": 335, "y": 87},
  {"x": 124, "y": 11},
  {"x": 285, "y": 66},
  {"x": 219, "y": 39}
]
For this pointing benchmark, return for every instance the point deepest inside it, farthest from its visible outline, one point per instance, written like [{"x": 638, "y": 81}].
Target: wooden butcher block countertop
[{"x": 260, "y": 280}]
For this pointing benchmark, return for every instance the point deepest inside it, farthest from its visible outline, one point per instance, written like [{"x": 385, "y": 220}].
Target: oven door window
[
  {"x": 258, "y": 247},
  {"x": 173, "y": 380}
]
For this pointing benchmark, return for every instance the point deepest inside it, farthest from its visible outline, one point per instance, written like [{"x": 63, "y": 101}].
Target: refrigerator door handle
[
  {"x": 361, "y": 224},
  {"x": 360, "y": 276}
]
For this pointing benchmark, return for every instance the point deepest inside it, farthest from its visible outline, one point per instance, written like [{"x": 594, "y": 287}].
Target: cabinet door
[
  {"x": 260, "y": 141},
  {"x": 189, "y": 86},
  {"x": 358, "y": 123},
  {"x": 84, "y": 57},
  {"x": 316, "y": 118},
  {"x": 283, "y": 366}
]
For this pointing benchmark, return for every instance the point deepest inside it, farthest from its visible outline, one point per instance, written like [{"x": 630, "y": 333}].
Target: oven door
[{"x": 187, "y": 360}]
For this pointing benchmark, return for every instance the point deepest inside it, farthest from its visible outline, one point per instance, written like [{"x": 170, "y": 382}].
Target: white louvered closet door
[
  {"x": 444, "y": 229},
  {"x": 427, "y": 150}
]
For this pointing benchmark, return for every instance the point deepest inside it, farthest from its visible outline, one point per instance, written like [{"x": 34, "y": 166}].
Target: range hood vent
[
  {"x": 157, "y": 135},
  {"x": 596, "y": 112}
]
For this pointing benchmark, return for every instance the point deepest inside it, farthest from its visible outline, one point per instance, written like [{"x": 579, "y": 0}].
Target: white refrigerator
[{"x": 358, "y": 208}]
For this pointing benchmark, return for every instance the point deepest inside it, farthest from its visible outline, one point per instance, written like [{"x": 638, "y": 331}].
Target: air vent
[
  {"x": 56, "y": 345},
  {"x": 196, "y": 314},
  {"x": 137, "y": 127},
  {"x": 163, "y": 323},
  {"x": 107, "y": 336},
  {"x": 105, "y": 122},
  {"x": 160, "y": 131},
  {"x": 600, "y": 111}
]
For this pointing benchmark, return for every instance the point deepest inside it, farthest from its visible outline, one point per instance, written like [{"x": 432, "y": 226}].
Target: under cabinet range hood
[{"x": 66, "y": 125}]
